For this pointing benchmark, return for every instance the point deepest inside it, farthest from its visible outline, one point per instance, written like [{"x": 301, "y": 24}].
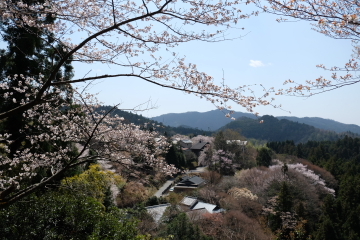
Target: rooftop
[
  {"x": 199, "y": 146},
  {"x": 195, "y": 180},
  {"x": 188, "y": 201},
  {"x": 157, "y": 211}
]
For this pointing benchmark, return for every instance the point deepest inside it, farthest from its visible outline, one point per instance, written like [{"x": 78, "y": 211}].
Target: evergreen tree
[
  {"x": 182, "y": 229},
  {"x": 284, "y": 203},
  {"x": 264, "y": 157},
  {"x": 176, "y": 157},
  {"x": 220, "y": 141},
  {"x": 30, "y": 52}
]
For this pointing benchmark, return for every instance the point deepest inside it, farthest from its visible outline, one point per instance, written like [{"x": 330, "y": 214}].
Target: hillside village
[
  {"x": 79, "y": 161},
  {"x": 278, "y": 195},
  {"x": 226, "y": 187}
]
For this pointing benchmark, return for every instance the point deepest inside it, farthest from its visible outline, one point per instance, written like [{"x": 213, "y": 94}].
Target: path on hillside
[
  {"x": 198, "y": 170},
  {"x": 164, "y": 187}
]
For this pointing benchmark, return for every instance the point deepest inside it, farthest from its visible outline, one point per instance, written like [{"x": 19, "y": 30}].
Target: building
[
  {"x": 196, "y": 209},
  {"x": 200, "y": 146},
  {"x": 185, "y": 143},
  {"x": 189, "y": 183},
  {"x": 157, "y": 211}
]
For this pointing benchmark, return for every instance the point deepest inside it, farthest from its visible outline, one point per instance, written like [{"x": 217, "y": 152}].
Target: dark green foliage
[
  {"x": 273, "y": 129},
  {"x": 30, "y": 51},
  {"x": 264, "y": 157},
  {"x": 182, "y": 229},
  {"x": 284, "y": 202},
  {"x": 337, "y": 157},
  {"x": 108, "y": 200},
  {"x": 155, "y": 201},
  {"x": 220, "y": 141},
  {"x": 191, "y": 159},
  {"x": 56, "y": 215},
  {"x": 274, "y": 222},
  {"x": 326, "y": 124},
  {"x": 329, "y": 228},
  {"x": 327, "y": 231},
  {"x": 339, "y": 219},
  {"x": 176, "y": 157}
]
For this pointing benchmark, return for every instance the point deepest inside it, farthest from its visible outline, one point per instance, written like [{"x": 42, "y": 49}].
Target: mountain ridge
[
  {"x": 215, "y": 119},
  {"x": 208, "y": 121}
]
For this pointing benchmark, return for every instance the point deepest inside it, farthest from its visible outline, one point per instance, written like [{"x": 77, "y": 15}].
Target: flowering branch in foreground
[
  {"x": 133, "y": 36},
  {"x": 60, "y": 125}
]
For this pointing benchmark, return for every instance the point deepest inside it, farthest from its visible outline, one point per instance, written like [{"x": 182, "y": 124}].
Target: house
[
  {"x": 210, "y": 208},
  {"x": 189, "y": 183},
  {"x": 185, "y": 143},
  {"x": 193, "y": 181},
  {"x": 188, "y": 203},
  {"x": 200, "y": 146},
  {"x": 157, "y": 211},
  {"x": 196, "y": 209}
]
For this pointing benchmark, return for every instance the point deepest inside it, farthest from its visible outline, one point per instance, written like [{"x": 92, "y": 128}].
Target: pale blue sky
[{"x": 286, "y": 51}]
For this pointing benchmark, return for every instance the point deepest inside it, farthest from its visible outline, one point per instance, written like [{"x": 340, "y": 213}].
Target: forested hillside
[
  {"x": 326, "y": 124},
  {"x": 139, "y": 120},
  {"x": 270, "y": 128},
  {"x": 214, "y": 120},
  {"x": 339, "y": 218}
]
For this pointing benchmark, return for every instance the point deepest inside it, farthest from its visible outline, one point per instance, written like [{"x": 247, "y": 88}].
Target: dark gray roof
[
  {"x": 199, "y": 146},
  {"x": 193, "y": 180}
]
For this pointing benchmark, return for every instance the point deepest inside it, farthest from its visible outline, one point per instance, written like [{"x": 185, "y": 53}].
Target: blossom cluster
[
  {"x": 309, "y": 174},
  {"x": 242, "y": 193},
  {"x": 62, "y": 125}
]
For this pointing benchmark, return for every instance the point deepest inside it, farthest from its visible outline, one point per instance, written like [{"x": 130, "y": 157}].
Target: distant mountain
[
  {"x": 274, "y": 129},
  {"x": 215, "y": 119},
  {"x": 208, "y": 121},
  {"x": 326, "y": 124},
  {"x": 140, "y": 120}
]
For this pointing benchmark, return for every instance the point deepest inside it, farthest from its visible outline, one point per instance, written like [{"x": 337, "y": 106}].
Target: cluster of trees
[
  {"x": 181, "y": 159},
  {"x": 80, "y": 207},
  {"x": 339, "y": 218}
]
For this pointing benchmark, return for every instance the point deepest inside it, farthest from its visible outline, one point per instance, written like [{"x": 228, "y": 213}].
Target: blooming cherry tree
[
  {"x": 59, "y": 125},
  {"x": 115, "y": 32}
]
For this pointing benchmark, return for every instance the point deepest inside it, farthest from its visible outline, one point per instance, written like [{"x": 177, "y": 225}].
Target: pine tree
[
  {"x": 284, "y": 203},
  {"x": 263, "y": 158}
]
